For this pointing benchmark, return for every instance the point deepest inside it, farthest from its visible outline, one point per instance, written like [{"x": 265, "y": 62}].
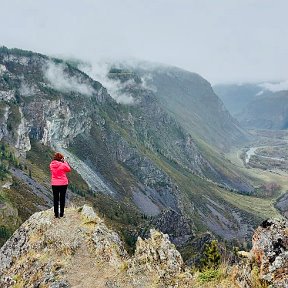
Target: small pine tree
[{"x": 212, "y": 257}]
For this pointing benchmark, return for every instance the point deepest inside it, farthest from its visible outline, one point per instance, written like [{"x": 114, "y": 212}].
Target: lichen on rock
[
  {"x": 270, "y": 249},
  {"x": 267, "y": 262}
]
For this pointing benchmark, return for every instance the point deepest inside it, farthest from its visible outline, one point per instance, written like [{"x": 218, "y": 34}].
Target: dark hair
[{"x": 58, "y": 156}]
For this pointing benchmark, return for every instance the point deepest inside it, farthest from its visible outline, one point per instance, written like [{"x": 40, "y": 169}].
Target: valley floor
[{"x": 265, "y": 162}]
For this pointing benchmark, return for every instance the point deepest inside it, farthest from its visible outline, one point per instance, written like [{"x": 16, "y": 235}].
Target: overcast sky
[{"x": 222, "y": 40}]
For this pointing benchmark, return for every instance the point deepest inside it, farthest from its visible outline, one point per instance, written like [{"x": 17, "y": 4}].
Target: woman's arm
[{"x": 66, "y": 167}]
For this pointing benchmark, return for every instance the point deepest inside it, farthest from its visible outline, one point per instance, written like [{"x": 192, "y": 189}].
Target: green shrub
[
  {"x": 7, "y": 159},
  {"x": 209, "y": 275},
  {"x": 4, "y": 232}
]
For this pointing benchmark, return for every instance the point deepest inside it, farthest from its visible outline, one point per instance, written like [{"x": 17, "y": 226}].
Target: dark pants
[{"x": 59, "y": 191}]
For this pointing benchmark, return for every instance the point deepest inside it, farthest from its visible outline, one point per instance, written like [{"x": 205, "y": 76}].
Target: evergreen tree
[{"x": 212, "y": 257}]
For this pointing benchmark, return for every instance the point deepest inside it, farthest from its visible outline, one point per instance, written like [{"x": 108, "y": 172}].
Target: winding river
[{"x": 252, "y": 151}]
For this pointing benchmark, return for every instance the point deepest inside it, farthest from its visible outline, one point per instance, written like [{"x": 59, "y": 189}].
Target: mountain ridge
[{"x": 151, "y": 162}]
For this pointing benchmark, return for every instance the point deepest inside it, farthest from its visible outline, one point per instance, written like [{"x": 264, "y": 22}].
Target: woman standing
[{"x": 59, "y": 182}]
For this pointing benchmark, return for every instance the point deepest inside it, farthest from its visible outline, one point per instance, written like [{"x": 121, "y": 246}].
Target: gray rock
[{"x": 89, "y": 213}]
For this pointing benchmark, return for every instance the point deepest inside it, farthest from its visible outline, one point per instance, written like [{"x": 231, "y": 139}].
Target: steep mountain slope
[
  {"x": 134, "y": 160},
  {"x": 193, "y": 103}
]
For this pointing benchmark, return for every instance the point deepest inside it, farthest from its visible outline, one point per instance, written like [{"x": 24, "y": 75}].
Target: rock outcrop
[
  {"x": 79, "y": 250},
  {"x": 267, "y": 261},
  {"x": 270, "y": 250}
]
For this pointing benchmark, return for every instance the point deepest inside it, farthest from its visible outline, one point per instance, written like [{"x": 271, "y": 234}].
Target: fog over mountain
[{"x": 206, "y": 37}]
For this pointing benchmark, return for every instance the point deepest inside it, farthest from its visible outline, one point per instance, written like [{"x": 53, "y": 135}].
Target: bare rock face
[
  {"x": 158, "y": 248},
  {"x": 270, "y": 250},
  {"x": 79, "y": 250},
  {"x": 176, "y": 225}
]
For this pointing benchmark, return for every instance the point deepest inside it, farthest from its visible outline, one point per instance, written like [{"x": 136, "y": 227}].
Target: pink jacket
[{"x": 58, "y": 173}]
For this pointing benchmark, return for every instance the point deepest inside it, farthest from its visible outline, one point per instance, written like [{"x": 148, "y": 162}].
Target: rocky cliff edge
[{"x": 79, "y": 250}]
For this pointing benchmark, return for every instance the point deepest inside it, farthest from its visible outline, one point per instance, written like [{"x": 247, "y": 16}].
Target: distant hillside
[
  {"x": 236, "y": 96},
  {"x": 255, "y": 106},
  {"x": 270, "y": 111}
]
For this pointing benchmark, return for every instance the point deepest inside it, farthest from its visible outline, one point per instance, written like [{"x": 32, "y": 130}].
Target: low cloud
[
  {"x": 99, "y": 72},
  {"x": 144, "y": 69},
  {"x": 147, "y": 81},
  {"x": 60, "y": 80},
  {"x": 275, "y": 87}
]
